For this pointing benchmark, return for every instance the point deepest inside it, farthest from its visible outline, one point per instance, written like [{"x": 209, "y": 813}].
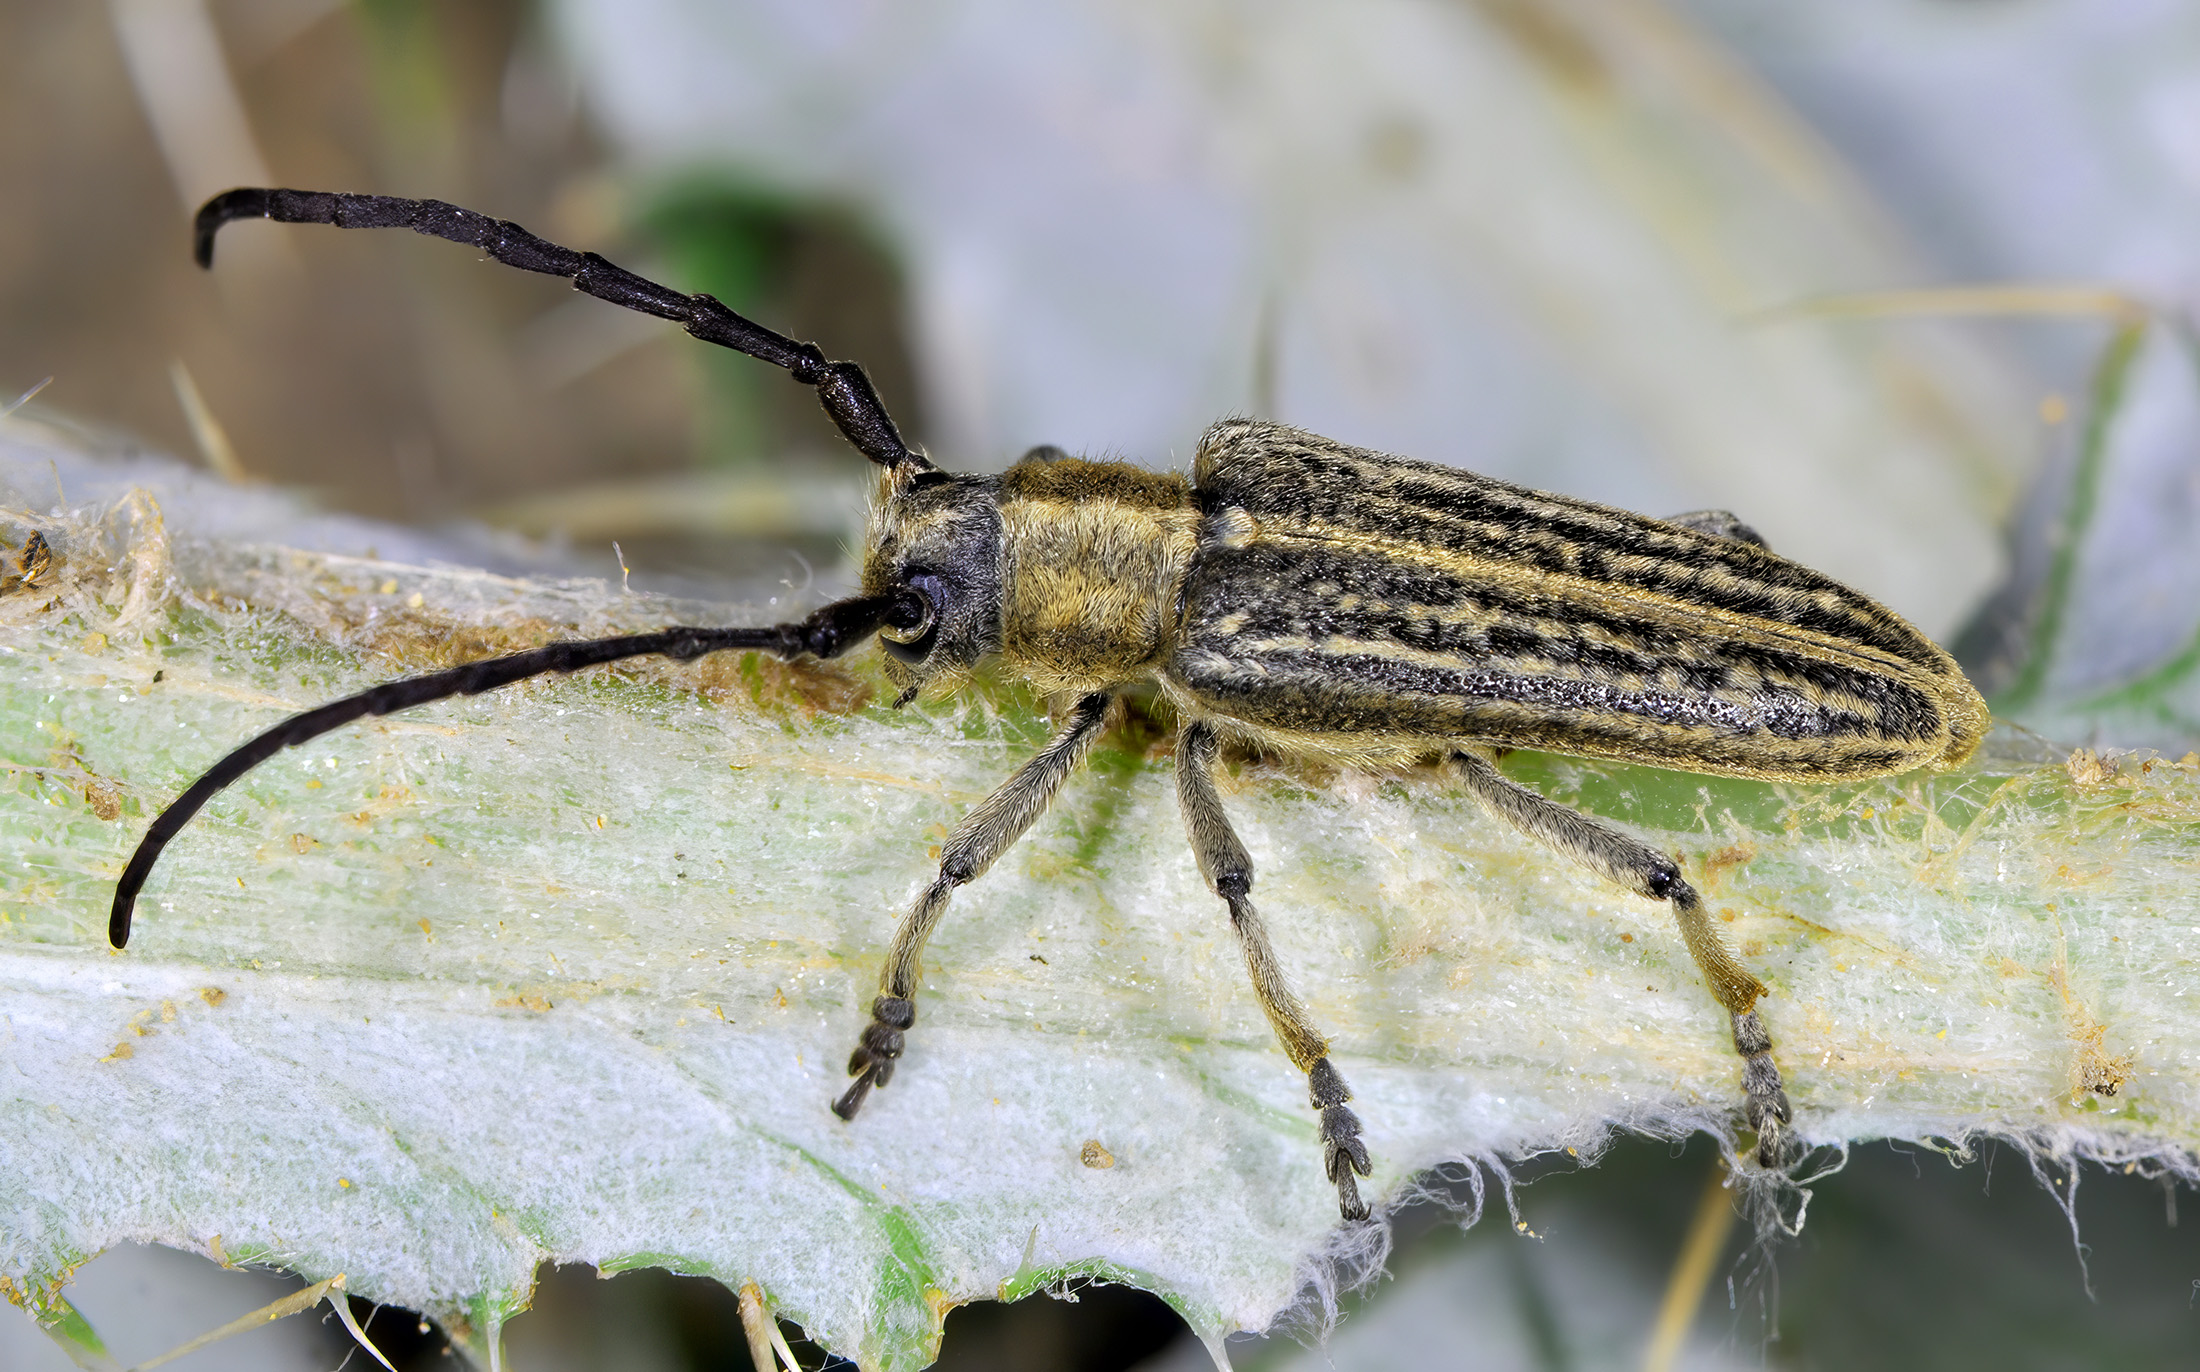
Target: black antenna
[
  {"x": 829, "y": 632},
  {"x": 843, "y": 388}
]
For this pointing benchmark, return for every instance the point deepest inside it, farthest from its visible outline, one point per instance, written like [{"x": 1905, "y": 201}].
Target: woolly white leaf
[{"x": 569, "y": 971}]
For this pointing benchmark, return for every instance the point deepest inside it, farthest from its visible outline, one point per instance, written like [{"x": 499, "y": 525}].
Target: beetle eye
[{"x": 912, "y": 624}]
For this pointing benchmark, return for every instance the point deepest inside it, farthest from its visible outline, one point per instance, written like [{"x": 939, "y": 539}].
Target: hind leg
[
  {"x": 1631, "y": 863},
  {"x": 1718, "y": 524}
]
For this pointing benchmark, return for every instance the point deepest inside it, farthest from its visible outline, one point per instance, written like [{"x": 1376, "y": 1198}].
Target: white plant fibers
[{"x": 571, "y": 971}]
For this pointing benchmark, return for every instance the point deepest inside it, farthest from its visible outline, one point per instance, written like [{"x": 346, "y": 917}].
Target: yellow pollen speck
[{"x": 344, "y": 1182}]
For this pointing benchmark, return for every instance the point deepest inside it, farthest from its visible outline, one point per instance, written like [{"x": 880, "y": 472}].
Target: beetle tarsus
[
  {"x": 872, "y": 1063},
  {"x": 1767, "y": 1108},
  {"x": 851, "y": 1100},
  {"x": 1343, "y": 1153},
  {"x": 1341, "y": 1164}
]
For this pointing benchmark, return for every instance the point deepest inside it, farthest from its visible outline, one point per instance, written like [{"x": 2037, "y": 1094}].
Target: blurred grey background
[{"x": 1708, "y": 253}]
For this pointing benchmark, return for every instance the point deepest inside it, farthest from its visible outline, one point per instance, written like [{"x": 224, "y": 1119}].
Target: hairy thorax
[{"x": 1095, "y": 557}]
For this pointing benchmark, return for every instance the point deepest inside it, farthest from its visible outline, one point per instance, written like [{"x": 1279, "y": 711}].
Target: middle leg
[{"x": 1229, "y": 872}]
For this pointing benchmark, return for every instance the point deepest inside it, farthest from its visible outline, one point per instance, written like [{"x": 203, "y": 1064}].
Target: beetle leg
[
  {"x": 1229, "y": 872},
  {"x": 984, "y": 834},
  {"x": 1719, "y": 524},
  {"x": 1631, "y": 863}
]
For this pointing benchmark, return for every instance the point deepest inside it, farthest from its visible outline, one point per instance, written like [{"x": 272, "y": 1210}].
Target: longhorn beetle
[{"x": 1294, "y": 595}]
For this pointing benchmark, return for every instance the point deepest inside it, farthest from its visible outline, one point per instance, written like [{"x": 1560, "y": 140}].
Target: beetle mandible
[{"x": 1295, "y": 595}]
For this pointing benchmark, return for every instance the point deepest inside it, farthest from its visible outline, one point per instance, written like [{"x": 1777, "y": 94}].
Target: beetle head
[{"x": 938, "y": 534}]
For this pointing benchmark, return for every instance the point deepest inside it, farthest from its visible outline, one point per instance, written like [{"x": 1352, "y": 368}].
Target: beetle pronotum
[{"x": 1294, "y": 595}]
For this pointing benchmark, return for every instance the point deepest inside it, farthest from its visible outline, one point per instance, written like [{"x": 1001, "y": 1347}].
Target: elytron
[{"x": 1293, "y": 595}]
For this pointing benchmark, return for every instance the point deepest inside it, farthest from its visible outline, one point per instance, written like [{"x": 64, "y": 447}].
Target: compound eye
[{"x": 913, "y": 623}]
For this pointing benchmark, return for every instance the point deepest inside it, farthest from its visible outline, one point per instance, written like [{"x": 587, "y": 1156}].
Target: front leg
[
  {"x": 1631, "y": 863},
  {"x": 977, "y": 842},
  {"x": 1229, "y": 872}
]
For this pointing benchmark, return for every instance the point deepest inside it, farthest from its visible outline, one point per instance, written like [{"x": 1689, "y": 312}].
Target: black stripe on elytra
[
  {"x": 1326, "y": 707},
  {"x": 1329, "y": 692},
  {"x": 1527, "y": 634},
  {"x": 1527, "y": 629},
  {"x": 1890, "y": 707},
  {"x": 1733, "y": 577},
  {"x": 1461, "y": 512},
  {"x": 1781, "y": 713}
]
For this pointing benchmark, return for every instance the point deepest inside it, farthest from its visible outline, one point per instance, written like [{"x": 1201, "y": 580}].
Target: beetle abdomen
[{"x": 1341, "y": 599}]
